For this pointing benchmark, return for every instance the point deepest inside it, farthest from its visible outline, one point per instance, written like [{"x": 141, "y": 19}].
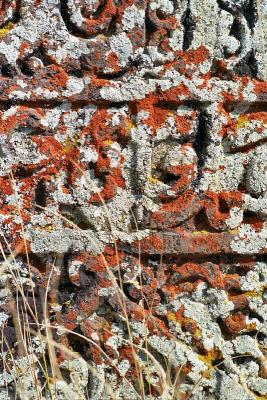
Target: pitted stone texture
[{"x": 133, "y": 151}]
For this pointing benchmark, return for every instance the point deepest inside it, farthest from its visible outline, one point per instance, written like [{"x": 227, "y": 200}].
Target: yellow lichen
[
  {"x": 70, "y": 144},
  {"x": 6, "y": 29},
  {"x": 198, "y": 333},
  {"x": 54, "y": 304},
  {"x": 130, "y": 125},
  {"x": 171, "y": 316},
  {"x": 201, "y": 232},
  {"x": 234, "y": 231},
  {"x": 252, "y": 326},
  {"x": 255, "y": 294},
  {"x": 108, "y": 142},
  {"x": 242, "y": 122},
  {"x": 209, "y": 359},
  {"x": 47, "y": 228},
  {"x": 152, "y": 179}
]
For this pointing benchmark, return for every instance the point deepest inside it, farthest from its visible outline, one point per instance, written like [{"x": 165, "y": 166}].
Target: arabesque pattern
[{"x": 133, "y": 151}]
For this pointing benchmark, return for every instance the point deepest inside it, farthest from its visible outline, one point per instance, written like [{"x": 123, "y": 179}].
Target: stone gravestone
[{"x": 133, "y": 188}]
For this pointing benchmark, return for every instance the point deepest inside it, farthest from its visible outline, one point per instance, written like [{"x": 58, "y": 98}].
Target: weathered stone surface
[{"x": 133, "y": 181}]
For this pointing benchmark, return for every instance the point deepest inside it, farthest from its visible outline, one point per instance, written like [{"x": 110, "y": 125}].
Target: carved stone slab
[{"x": 133, "y": 181}]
